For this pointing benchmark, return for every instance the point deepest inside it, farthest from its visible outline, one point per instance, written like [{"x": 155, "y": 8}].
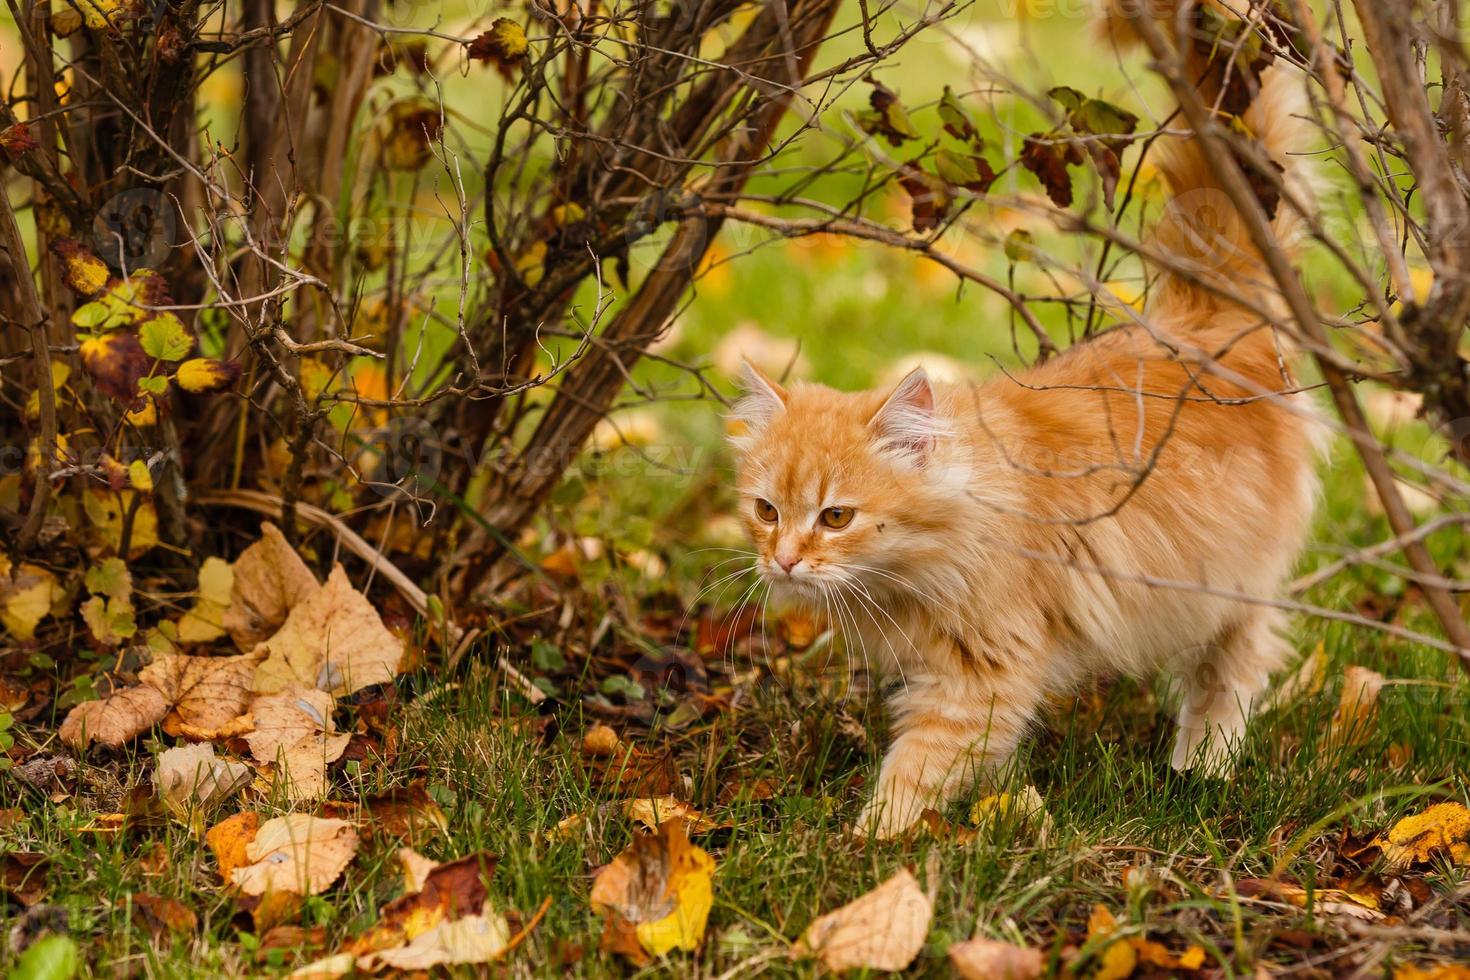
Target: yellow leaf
[
  {"x": 139, "y": 476},
  {"x": 107, "y": 511},
  {"x": 1026, "y": 804},
  {"x": 27, "y": 593},
  {"x": 469, "y": 939},
  {"x": 1441, "y": 830},
  {"x": 661, "y": 885},
  {"x": 205, "y": 621},
  {"x": 203, "y": 374}
]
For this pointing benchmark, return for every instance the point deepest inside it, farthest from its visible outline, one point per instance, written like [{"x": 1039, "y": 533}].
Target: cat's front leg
[{"x": 948, "y": 731}]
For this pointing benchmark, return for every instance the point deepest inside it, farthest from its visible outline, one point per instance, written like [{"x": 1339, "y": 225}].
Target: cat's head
[{"x": 836, "y": 486}]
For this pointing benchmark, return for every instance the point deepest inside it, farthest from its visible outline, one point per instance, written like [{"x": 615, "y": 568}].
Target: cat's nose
[{"x": 787, "y": 564}]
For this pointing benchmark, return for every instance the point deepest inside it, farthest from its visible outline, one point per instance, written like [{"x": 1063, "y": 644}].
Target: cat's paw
[{"x": 887, "y": 816}]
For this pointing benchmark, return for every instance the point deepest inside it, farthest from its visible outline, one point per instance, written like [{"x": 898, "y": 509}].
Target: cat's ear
[
  {"x": 762, "y": 400},
  {"x": 906, "y": 425}
]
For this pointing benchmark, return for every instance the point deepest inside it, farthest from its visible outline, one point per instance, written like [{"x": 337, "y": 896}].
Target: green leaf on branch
[
  {"x": 165, "y": 338},
  {"x": 971, "y": 172}
]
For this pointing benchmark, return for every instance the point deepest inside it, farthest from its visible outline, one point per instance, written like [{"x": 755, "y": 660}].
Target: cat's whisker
[
  {"x": 864, "y": 599},
  {"x": 897, "y": 660}
]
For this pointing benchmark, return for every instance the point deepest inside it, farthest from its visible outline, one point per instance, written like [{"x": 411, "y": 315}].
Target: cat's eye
[
  {"x": 766, "y": 510},
  {"x": 837, "y": 518}
]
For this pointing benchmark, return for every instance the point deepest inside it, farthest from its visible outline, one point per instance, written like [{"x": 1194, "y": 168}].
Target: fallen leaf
[
  {"x": 408, "y": 813},
  {"x": 334, "y": 640},
  {"x": 1443, "y": 830},
  {"x": 1353, "y": 721},
  {"x": 416, "y": 869},
  {"x": 229, "y": 840},
  {"x": 471, "y": 939},
  {"x": 296, "y": 853},
  {"x": 1157, "y": 954},
  {"x": 162, "y": 916},
  {"x": 114, "y": 720},
  {"x": 991, "y": 959},
  {"x": 1432, "y": 971},
  {"x": 1115, "y": 960},
  {"x": 290, "y": 938},
  {"x": 601, "y": 742},
  {"x": 1025, "y": 804},
  {"x": 882, "y": 930},
  {"x": 191, "y": 780},
  {"x": 652, "y": 812},
  {"x": 451, "y": 890},
  {"x": 207, "y": 692},
  {"x": 269, "y": 580},
  {"x": 661, "y": 887},
  {"x": 1324, "y": 901},
  {"x": 329, "y": 968},
  {"x": 23, "y": 876},
  {"x": 294, "y": 734},
  {"x": 204, "y": 622}
]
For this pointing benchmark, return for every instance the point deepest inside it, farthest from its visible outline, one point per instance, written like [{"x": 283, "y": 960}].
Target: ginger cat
[{"x": 1106, "y": 512}]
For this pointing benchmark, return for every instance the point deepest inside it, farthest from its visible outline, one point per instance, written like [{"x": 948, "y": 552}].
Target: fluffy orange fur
[{"x": 1110, "y": 511}]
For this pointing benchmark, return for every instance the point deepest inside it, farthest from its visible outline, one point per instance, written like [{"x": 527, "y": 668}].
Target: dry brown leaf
[
  {"x": 1358, "y": 705},
  {"x": 882, "y": 930},
  {"x": 294, "y": 734},
  {"x": 207, "y": 692},
  {"x": 329, "y": 968},
  {"x": 408, "y": 813},
  {"x": 23, "y": 876},
  {"x": 269, "y": 580},
  {"x": 472, "y": 939},
  {"x": 991, "y": 959},
  {"x": 297, "y": 853},
  {"x": 163, "y": 916},
  {"x": 191, "y": 779},
  {"x": 1443, "y": 830},
  {"x": 659, "y": 890},
  {"x": 601, "y": 742},
  {"x": 451, "y": 890},
  {"x": 229, "y": 839},
  {"x": 333, "y": 640},
  {"x": 416, "y": 869},
  {"x": 1361, "y": 904},
  {"x": 234, "y": 728},
  {"x": 654, "y": 811},
  {"x": 114, "y": 720}
]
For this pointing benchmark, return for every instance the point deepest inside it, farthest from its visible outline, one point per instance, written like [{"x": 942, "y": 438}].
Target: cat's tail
[{"x": 1201, "y": 236}]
